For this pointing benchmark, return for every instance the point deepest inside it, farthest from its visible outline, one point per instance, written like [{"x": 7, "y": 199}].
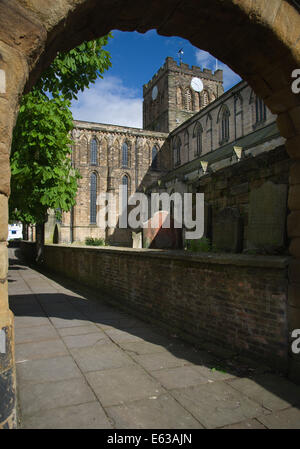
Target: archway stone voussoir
[
  {"x": 292, "y": 146},
  {"x": 293, "y": 224},
  {"x": 294, "y": 197},
  {"x": 295, "y": 174}
]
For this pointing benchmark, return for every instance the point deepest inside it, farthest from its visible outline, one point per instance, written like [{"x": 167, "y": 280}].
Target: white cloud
[
  {"x": 205, "y": 59},
  {"x": 109, "y": 101}
]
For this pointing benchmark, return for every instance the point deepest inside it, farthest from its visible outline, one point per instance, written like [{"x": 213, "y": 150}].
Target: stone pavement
[{"x": 83, "y": 364}]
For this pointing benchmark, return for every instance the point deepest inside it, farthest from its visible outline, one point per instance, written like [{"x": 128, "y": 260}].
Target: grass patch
[{"x": 90, "y": 241}]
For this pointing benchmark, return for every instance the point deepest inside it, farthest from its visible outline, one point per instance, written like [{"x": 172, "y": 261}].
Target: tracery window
[
  {"x": 198, "y": 133},
  {"x": 188, "y": 100},
  {"x": 124, "y": 155},
  {"x": 238, "y": 116},
  {"x": 176, "y": 151},
  {"x": 154, "y": 158},
  {"x": 94, "y": 151},
  {"x": 93, "y": 198},
  {"x": 224, "y": 124},
  {"x": 260, "y": 110}
]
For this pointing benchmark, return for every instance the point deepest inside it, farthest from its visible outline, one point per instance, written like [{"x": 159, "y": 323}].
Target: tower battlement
[
  {"x": 171, "y": 64},
  {"x": 169, "y": 98}
]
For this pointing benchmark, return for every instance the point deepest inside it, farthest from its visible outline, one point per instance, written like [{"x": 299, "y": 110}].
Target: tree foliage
[
  {"x": 73, "y": 71},
  {"x": 41, "y": 164},
  {"x": 42, "y": 175}
]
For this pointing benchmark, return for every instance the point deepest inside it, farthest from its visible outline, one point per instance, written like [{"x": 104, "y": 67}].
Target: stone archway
[{"x": 259, "y": 40}]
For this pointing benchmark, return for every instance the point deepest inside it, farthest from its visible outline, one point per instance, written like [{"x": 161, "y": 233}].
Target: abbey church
[{"x": 225, "y": 145}]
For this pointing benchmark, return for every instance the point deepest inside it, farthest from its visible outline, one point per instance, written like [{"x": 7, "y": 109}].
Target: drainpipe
[
  {"x": 72, "y": 208},
  {"x": 72, "y": 225},
  {"x": 136, "y": 163}
]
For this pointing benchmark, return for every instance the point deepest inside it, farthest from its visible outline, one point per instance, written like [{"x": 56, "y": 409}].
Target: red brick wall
[{"x": 238, "y": 301}]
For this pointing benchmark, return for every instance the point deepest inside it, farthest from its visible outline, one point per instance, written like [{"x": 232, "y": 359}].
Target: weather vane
[{"x": 180, "y": 53}]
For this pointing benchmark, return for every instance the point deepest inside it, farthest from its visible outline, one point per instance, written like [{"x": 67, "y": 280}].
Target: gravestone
[
  {"x": 207, "y": 221},
  {"x": 159, "y": 237},
  {"x": 137, "y": 239},
  {"x": 267, "y": 216},
  {"x": 228, "y": 230}
]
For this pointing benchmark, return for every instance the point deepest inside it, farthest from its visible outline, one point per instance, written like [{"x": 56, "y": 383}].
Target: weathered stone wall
[
  {"x": 236, "y": 301},
  {"x": 110, "y": 171},
  {"x": 176, "y": 101},
  {"x": 231, "y": 187},
  {"x": 240, "y": 101}
]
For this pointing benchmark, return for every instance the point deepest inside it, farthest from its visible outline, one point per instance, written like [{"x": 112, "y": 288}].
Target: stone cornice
[{"x": 115, "y": 129}]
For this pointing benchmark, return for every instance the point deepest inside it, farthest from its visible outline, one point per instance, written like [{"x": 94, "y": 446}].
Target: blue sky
[{"x": 135, "y": 57}]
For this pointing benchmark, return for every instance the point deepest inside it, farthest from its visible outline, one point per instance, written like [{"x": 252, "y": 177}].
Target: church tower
[{"x": 171, "y": 97}]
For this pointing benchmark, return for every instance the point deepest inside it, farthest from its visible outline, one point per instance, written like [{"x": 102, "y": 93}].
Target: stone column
[
  {"x": 13, "y": 70},
  {"x": 289, "y": 125}
]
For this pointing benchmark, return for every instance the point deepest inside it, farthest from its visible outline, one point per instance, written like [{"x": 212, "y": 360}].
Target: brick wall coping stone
[{"x": 258, "y": 261}]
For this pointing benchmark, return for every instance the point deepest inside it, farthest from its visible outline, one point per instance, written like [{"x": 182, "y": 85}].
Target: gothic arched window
[
  {"x": 198, "y": 132},
  {"x": 125, "y": 181},
  {"x": 93, "y": 198},
  {"x": 260, "y": 110},
  {"x": 124, "y": 193},
  {"x": 188, "y": 100},
  {"x": 209, "y": 138},
  {"x": 176, "y": 151},
  {"x": 93, "y": 151},
  {"x": 124, "y": 155},
  {"x": 238, "y": 114},
  {"x": 205, "y": 99},
  {"x": 154, "y": 158},
  {"x": 186, "y": 143},
  {"x": 224, "y": 124},
  {"x": 179, "y": 97}
]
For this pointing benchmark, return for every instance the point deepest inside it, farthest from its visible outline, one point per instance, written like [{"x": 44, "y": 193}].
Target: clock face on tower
[
  {"x": 154, "y": 93},
  {"x": 197, "y": 85}
]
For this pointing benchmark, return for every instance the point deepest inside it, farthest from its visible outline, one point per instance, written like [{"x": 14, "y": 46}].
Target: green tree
[
  {"x": 41, "y": 167},
  {"x": 42, "y": 174}
]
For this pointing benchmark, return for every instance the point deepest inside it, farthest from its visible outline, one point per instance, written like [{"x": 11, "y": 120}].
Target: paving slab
[
  {"x": 179, "y": 377},
  {"x": 271, "y": 392},
  {"x": 50, "y": 395},
  {"x": 284, "y": 419},
  {"x": 129, "y": 383},
  {"x": 100, "y": 356},
  {"x": 59, "y": 323},
  {"x": 192, "y": 355},
  {"x": 212, "y": 373},
  {"x": 125, "y": 323},
  {"x": 81, "y": 341},
  {"x": 248, "y": 424},
  {"x": 21, "y": 310},
  {"x": 79, "y": 330},
  {"x": 143, "y": 347},
  {"x": 159, "y": 361},
  {"x": 22, "y": 299},
  {"x": 217, "y": 404},
  {"x": 120, "y": 336},
  {"x": 52, "y": 299},
  {"x": 140, "y": 333},
  {"x": 84, "y": 364},
  {"x": 36, "y": 319},
  {"x": 35, "y": 333},
  {"x": 158, "y": 412},
  {"x": 46, "y": 370},
  {"x": 40, "y": 350},
  {"x": 83, "y": 416}
]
